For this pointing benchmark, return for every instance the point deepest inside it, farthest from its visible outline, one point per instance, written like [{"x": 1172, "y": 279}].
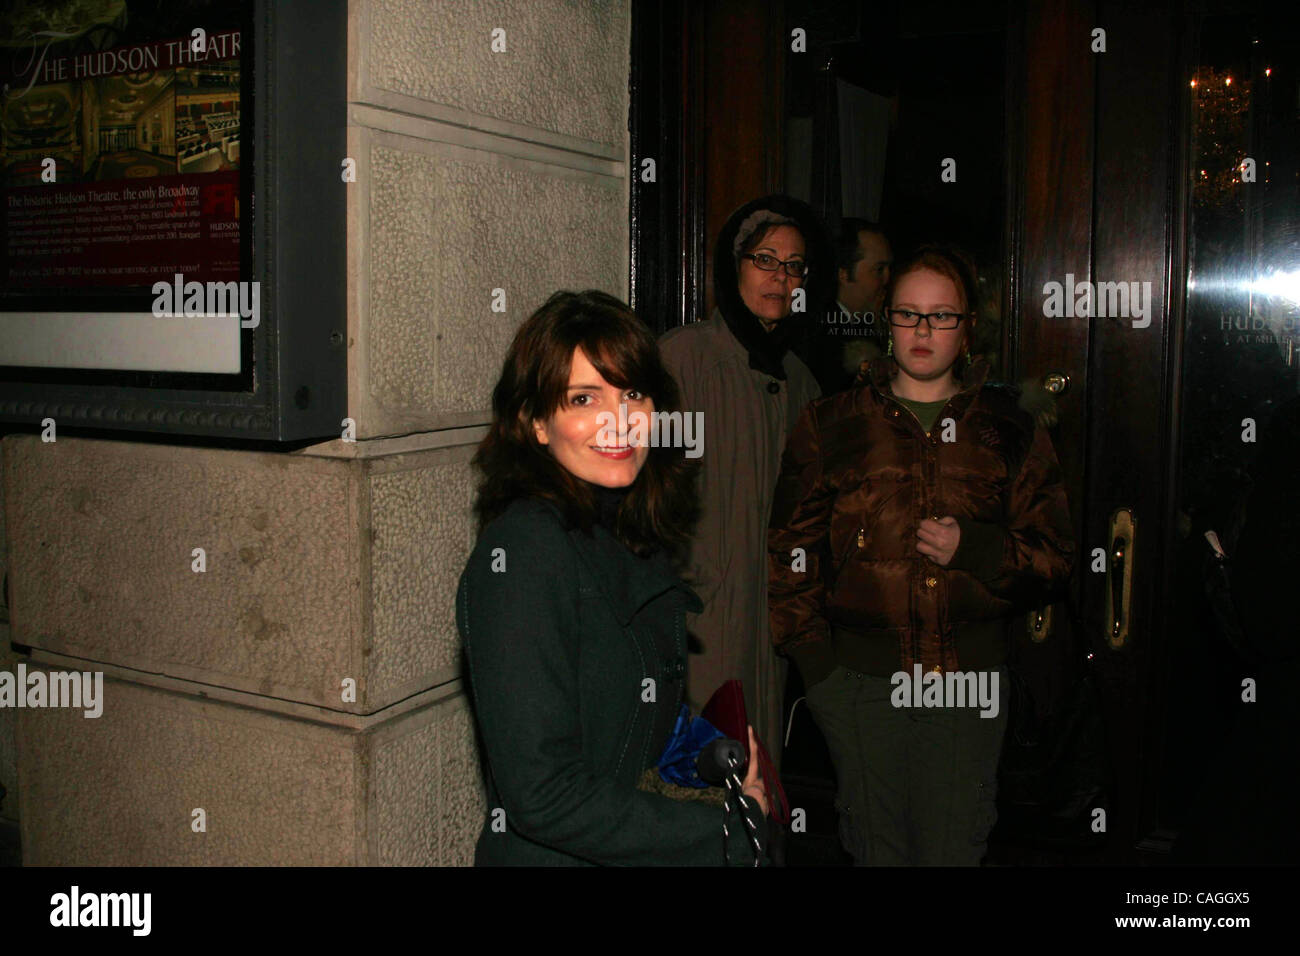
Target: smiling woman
[
  {"x": 578, "y": 356},
  {"x": 570, "y": 607},
  {"x": 578, "y": 436}
]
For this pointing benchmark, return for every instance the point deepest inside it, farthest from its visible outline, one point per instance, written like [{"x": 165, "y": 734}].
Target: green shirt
[{"x": 925, "y": 412}]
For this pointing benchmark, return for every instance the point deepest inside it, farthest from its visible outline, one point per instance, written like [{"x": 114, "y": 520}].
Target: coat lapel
[{"x": 627, "y": 581}]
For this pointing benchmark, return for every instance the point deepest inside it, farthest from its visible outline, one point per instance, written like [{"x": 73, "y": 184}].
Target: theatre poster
[{"x": 121, "y": 162}]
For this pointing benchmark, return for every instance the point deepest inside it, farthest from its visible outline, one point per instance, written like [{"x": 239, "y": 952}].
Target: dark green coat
[{"x": 558, "y": 647}]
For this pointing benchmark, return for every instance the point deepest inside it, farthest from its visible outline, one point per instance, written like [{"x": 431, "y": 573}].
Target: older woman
[
  {"x": 915, "y": 514},
  {"x": 773, "y": 267},
  {"x": 570, "y": 610}
]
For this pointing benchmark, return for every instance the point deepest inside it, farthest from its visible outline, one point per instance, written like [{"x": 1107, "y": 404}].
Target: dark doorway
[{"x": 1093, "y": 160}]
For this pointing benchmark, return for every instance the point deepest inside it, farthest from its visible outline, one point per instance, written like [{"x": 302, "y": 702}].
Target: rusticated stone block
[
  {"x": 318, "y": 569},
  {"x": 561, "y": 78},
  {"x": 452, "y": 248},
  {"x": 122, "y": 789}
]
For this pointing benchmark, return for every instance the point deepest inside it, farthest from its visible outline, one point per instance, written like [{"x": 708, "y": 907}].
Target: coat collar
[
  {"x": 883, "y": 370},
  {"x": 627, "y": 581}
]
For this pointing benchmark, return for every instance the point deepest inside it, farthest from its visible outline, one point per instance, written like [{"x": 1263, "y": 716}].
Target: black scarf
[
  {"x": 608, "y": 502},
  {"x": 767, "y": 349}
]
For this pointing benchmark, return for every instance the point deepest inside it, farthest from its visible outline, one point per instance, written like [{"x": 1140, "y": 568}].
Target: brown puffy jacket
[{"x": 858, "y": 476}]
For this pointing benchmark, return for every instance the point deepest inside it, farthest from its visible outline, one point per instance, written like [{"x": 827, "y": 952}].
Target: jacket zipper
[
  {"x": 913, "y": 641},
  {"x": 940, "y": 418},
  {"x": 861, "y": 537},
  {"x": 898, "y": 404}
]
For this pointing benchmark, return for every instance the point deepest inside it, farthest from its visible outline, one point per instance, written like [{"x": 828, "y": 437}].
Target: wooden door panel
[{"x": 1130, "y": 422}]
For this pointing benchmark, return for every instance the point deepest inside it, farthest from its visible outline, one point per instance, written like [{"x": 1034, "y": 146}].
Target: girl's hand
[
  {"x": 937, "y": 540},
  {"x": 753, "y": 788}
]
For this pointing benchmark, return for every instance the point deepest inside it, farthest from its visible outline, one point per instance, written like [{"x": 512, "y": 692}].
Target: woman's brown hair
[{"x": 660, "y": 508}]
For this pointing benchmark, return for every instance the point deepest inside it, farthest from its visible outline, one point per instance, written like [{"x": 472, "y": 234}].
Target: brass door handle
[
  {"x": 1119, "y": 576},
  {"x": 1117, "y": 549}
]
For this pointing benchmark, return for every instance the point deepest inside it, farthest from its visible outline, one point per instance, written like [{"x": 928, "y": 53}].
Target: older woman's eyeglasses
[
  {"x": 907, "y": 319},
  {"x": 794, "y": 268}
]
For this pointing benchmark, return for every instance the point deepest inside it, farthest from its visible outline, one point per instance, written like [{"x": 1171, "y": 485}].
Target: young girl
[
  {"x": 914, "y": 515},
  {"x": 572, "y": 616}
]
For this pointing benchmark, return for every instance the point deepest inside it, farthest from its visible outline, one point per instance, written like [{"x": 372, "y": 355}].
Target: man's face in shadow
[{"x": 863, "y": 290}]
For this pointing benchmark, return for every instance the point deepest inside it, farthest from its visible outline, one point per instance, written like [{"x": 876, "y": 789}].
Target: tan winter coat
[{"x": 746, "y": 425}]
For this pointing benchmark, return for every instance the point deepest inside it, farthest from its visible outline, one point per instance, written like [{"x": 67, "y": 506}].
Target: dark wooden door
[
  {"x": 1096, "y": 170},
  {"x": 1128, "y": 169},
  {"x": 706, "y": 107}
]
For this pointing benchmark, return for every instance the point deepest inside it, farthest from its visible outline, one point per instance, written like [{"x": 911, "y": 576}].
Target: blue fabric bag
[{"x": 677, "y": 765}]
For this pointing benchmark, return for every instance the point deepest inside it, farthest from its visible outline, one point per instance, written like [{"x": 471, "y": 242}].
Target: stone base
[{"x": 277, "y": 789}]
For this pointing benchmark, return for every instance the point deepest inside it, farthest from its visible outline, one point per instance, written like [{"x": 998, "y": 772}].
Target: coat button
[
  {"x": 931, "y": 581},
  {"x": 774, "y": 387}
]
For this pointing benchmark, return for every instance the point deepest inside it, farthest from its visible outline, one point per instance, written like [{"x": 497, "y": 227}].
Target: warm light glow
[
  {"x": 1228, "y": 81},
  {"x": 1193, "y": 84},
  {"x": 1268, "y": 72}
]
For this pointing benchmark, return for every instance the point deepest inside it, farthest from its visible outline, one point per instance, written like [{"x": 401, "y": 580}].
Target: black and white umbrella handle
[{"x": 720, "y": 763}]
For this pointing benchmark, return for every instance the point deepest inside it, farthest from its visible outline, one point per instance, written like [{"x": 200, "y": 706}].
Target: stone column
[{"x": 299, "y": 700}]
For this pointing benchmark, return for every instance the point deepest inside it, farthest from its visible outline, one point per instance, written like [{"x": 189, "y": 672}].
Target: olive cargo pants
[{"x": 917, "y": 785}]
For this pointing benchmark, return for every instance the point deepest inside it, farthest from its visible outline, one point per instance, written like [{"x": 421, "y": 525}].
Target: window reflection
[{"x": 1240, "y": 362}]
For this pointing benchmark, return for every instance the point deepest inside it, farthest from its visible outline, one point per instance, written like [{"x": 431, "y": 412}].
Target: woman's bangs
[{"x": 619, "y": 361}]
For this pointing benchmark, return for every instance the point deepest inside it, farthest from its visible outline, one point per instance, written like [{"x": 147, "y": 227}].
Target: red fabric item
[{"x": 726, "y": 711}]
